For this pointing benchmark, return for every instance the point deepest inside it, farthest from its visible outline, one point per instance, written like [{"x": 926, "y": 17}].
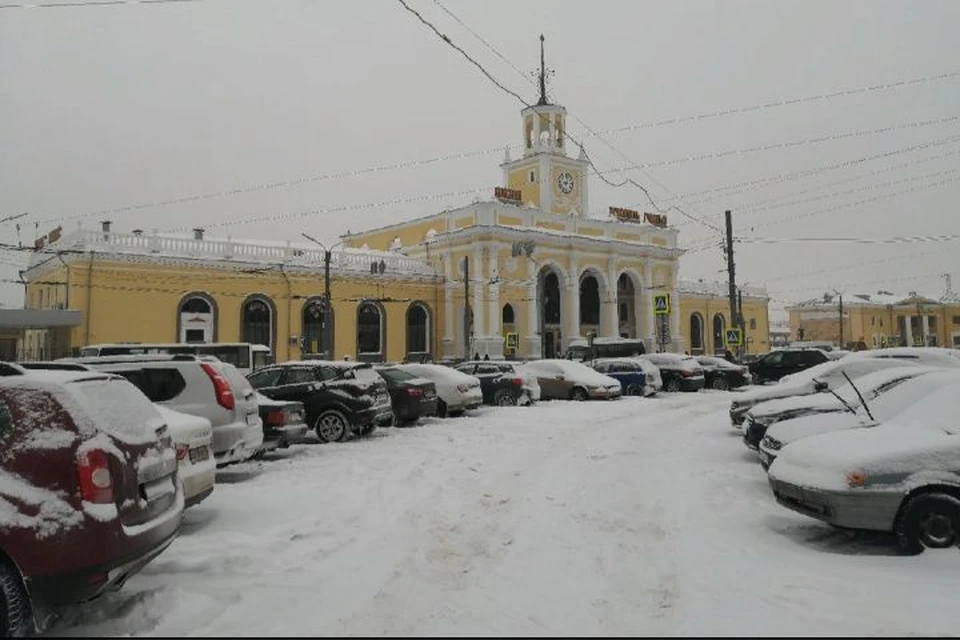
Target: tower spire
[{"x": 543, "y": 76}]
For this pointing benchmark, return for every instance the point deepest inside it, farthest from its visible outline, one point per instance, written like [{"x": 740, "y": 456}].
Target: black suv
[
  {"x": 782, "y": 362},
  {"x": 339, "y": 397}
]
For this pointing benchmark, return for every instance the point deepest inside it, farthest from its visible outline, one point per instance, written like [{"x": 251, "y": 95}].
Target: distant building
[{"x": 872, "y": 321}]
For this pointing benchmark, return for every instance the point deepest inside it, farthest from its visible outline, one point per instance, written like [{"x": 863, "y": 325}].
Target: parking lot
[{"x": 636, "y": 516}]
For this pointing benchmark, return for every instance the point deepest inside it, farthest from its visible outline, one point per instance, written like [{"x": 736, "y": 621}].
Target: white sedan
[{"x": 457, "y": 392}]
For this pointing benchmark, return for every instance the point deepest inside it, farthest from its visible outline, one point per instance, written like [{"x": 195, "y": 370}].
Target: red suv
[{"x": 89, "y": 492}]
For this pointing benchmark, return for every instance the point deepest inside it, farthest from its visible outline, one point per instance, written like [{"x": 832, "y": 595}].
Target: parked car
[
  {"x": 783, "y": 362},
  {"x": 936, "y": 356},
  {"x": 501, "y": 383},
  {"x": 284, "y": 422},
  {"x": 679, "y": 372},
  {"x": 901, "y": 476},
  {"x": 886, "y": 406},
  {"x": 570, "y": 380},
  {"x": 412, "y": 397},
  {"x": 340, "y": 397},
  {"x": 196, "y": 467},
  {"x": 89, "y": 487},
  {"x": 723, "y": 374},
  {"x": 629, "y": 371},
  {"x": 200, "y": 386},
  {"x": 824, "y": 376},
  {"x": 843, "y": 398},
  {"x": 456, "y": 391}
]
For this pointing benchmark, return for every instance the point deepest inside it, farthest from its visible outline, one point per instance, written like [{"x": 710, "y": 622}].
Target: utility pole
[
  {"x": 740, "y": 320},
  {"x": 731, "y": 271},
  {"x": 467, "y": 316},
  {"x": 841, "y": 320},
  {"x": 325, "y": 338}
]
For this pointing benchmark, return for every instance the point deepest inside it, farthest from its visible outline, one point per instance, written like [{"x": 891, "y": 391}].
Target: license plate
[
  {"x": 252, "y": 419},
  {"x": 199, "y": 454}
]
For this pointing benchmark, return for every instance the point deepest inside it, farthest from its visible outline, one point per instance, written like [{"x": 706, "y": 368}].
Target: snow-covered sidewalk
[{"x": 639, "y": 516}]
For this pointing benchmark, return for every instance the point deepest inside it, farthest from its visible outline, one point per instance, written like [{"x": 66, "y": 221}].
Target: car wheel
[
  {"x": 672, "y": 385},
  {"x": 720, "y": 383},
  {"x": 441, "y": 409},
  {"x": 633, "y": 390},
  {"x": 579, "y": 394},
  {"x": 332, "y": 426},
  {"x": 504, "y": 398},
  {"x": 929, "y": 521},
  {"x": 16, "y": 620}
]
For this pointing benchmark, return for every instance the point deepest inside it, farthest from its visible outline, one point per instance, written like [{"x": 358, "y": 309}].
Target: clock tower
[{"x": 546, "y": 176}]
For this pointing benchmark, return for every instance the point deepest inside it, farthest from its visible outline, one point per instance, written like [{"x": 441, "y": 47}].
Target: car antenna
[{"x": 862, "y": 401}]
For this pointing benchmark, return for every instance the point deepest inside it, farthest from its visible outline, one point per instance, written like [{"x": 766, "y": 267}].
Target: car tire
[
  {"x": 332, "y": 426},
  {"x": 672, "y": 385},
  {"x": 442, "y": 409},
  {"x": 504, "y": 398},
  {"x": 633, "y": 390},
  {"x": 720, "y": 383},
  {"x": 929, "y": 521},
  {"x": 16, "y": 619},
  {"x": 579, "y": 394}
]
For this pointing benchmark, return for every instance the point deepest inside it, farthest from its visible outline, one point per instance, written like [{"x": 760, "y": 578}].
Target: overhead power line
[
  {"x": 87, "y": 3},
  {"x": 894, "y": 240}
]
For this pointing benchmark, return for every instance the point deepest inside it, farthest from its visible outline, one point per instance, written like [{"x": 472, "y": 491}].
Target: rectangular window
[{"x": 956, "y": 319}]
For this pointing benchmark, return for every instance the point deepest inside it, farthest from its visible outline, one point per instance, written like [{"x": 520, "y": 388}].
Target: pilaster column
[
  {"x": 908, "y": 330},
  {"x": 571, "y": 304},
  {"x": 609, "y": 308},
  {"x": 476, "y": 285},
  {"x": 649, "y": 331},
  {"x": 675, "y": 338},
  {"x": 531, "y": 338},
  {"x": 925, "y": 323}
]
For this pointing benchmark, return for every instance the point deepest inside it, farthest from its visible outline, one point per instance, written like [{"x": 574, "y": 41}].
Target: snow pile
[{"x": 24, "y": 506}]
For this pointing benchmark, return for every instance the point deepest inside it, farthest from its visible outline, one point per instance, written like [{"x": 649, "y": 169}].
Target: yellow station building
[{"x": 533, "y": 270}]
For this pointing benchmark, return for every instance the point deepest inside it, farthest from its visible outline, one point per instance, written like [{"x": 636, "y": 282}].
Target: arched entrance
[
  {"x": 550, "y": 301},
  {"x": 197, "y": 318},
  {"x": 696, "y": 334},
  {"x": 418, "y": 331},
  {"x": 313, "y": 338},
  {"x": 256, "y": 321},
  {"x": 589, "y": 304}
]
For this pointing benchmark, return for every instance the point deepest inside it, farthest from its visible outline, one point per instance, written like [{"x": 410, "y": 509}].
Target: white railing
[
  {"x": 218, "y": 249},
  {"x": 719, "y": 289}
]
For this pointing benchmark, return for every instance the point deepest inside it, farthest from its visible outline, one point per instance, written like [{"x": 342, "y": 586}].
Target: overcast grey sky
[{"x": 104, "y": 107}]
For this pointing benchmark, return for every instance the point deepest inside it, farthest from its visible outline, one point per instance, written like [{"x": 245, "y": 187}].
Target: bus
[
  {"x": 580, "y": 349},
  {"x": 244, "y": 356}
]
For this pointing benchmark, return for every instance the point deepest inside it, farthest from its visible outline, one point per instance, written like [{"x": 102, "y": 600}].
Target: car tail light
[
  {"x": 220, "y": 387},
  {"x": 96, "y": 483},
  {"x": 277, "y": 418},
  {"x": 686, "y": 373},
  {"x": 182, "y": 451},
  {"x": 462, "y": 388},
  {"x": 413, "y": 392},
  {"x": 517, "y": 382}
]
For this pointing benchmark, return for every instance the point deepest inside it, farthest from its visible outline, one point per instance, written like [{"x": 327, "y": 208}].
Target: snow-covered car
[
  {"x": 284, "y": 422},
  {"x": 457, "y": 391},
  {"x": 843, "y": 398},
  {"x": 654, "y": 384},
  {"x": 192, "y": 436},
  {"x": 679, "y": 372},
  {"x": 630, "y": 373},
  {"x": 566, "y": 379},
  {"x": 723, "y": 374},
  {"x": 822, "y": 377},
  {"x": 902, "y": 476},
  {"x": 885, "y": 406}
]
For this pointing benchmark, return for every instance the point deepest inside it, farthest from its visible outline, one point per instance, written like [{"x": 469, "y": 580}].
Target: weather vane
[{"x": 542, "y": 75}]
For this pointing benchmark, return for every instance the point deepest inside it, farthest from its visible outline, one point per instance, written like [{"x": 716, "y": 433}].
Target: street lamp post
[{"x": 325, "y": 338}]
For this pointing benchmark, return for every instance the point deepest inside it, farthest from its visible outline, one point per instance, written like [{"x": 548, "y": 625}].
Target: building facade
[
  {"x": 519, "y": 276},
  {"x": 871, "y": 321}
]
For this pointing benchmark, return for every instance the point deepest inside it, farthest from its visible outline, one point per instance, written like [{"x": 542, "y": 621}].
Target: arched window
[
  {"x": 197, "y": 318},
  {"x": 696, "y": 333},
  {"x": 313, "y": 319},
  {"x": 589, "y": 300},
  {"x": 369, "y": 329},
  {"x": 551, "y": 298},
  {"x": 256, "y": 321},
  {"x": 507, "y": 316},
  {"x": 418, "y": 329},
  {"x": 719, "y": 328}
]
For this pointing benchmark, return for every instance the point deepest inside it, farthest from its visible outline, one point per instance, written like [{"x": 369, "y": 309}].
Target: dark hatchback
[
  {"x": 412, "y": 397},
  {"x": 339, "y": 397},
  {"x": 284, "y": 422},
  {"x": 723, "y": 374},
  {"x": 500, "y": 382}
]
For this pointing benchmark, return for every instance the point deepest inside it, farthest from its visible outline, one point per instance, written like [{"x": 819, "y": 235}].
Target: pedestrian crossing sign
[
  {"x": 661, "y": 304},
  {"x": 734, "y": 338},
  {"x": 513, "y": 340}
]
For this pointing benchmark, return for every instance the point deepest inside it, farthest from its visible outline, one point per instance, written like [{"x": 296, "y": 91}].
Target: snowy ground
[{"x": 641, "y": 516}]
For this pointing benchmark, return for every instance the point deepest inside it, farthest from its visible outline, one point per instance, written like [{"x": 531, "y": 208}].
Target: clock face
[{"x": 565, "y": 182}]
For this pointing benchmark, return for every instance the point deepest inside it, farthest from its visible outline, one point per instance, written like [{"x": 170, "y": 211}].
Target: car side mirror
[{"x": 820, "y": 385}]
